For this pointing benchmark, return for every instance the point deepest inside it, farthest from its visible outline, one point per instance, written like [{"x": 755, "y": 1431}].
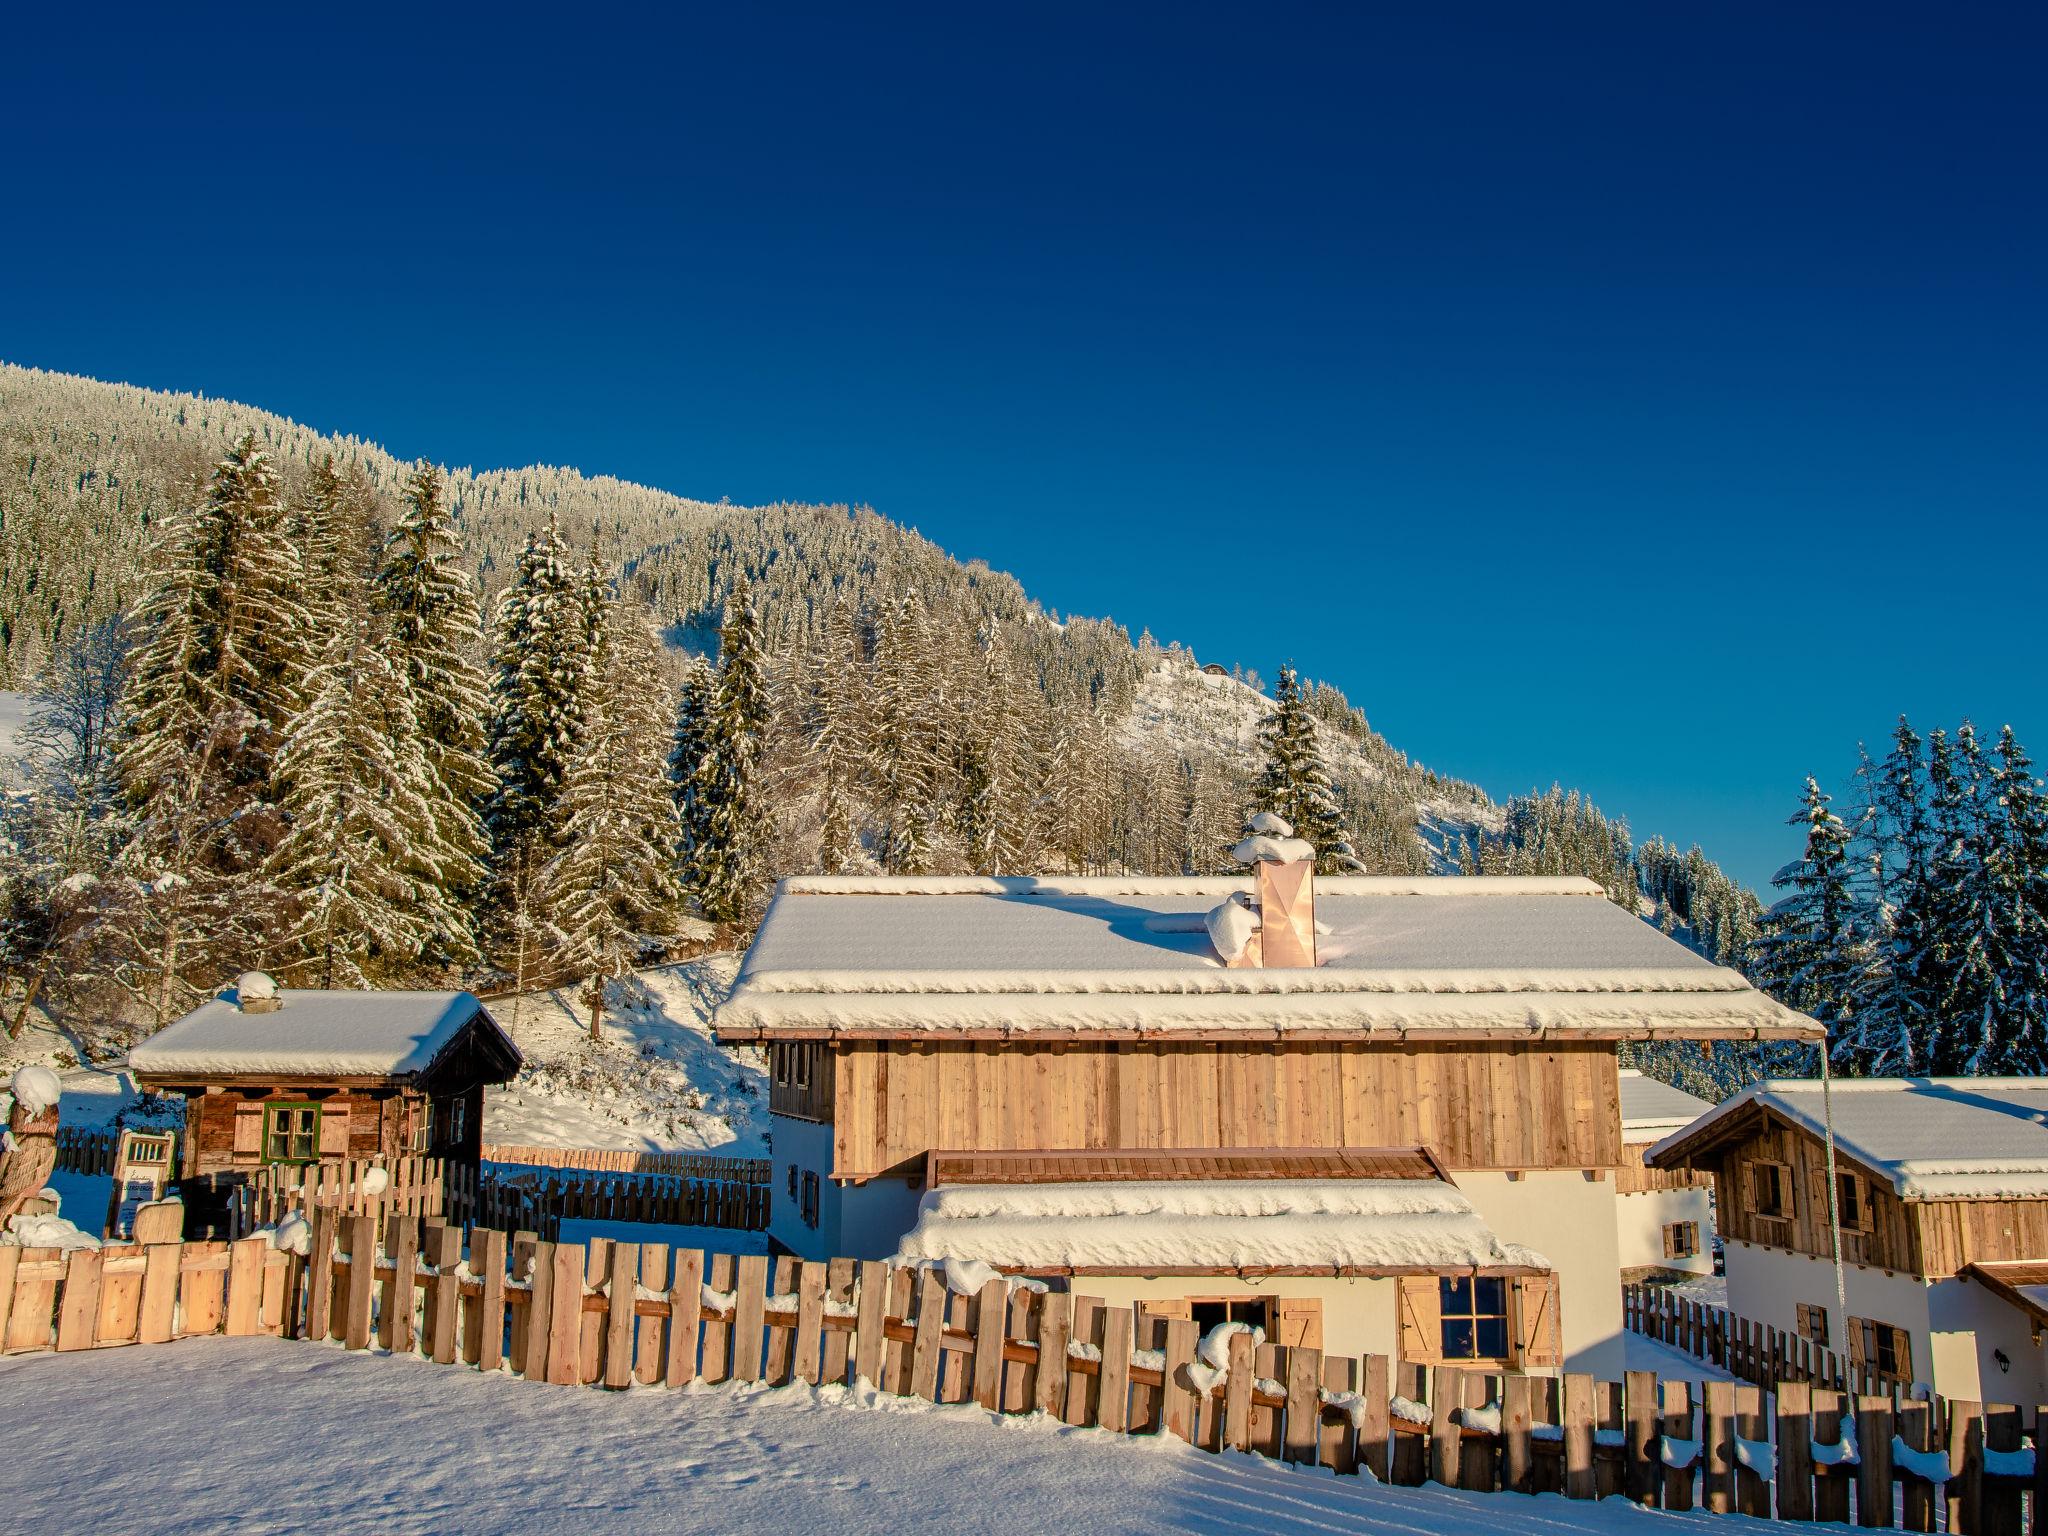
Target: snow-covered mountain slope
[{"x": 655, "y": 1080}]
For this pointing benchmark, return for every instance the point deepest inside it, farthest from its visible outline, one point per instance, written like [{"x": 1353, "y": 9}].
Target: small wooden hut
[{"x": 276, "y": 1075}]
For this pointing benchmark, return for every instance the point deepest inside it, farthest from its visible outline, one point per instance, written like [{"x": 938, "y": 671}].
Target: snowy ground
[
  {"x": 1669, "y": 1364},
  {"x": 656, "y": 1079},
  {"x": 264, "y": 1436}
]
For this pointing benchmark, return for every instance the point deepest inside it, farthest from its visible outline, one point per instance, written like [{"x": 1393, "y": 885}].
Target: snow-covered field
[
  {"x": 656, "y": 1079},
  {"x": 263, "y": 1436}
]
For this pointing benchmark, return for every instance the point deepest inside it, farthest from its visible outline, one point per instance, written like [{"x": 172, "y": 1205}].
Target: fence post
[
  {"x": 1446, "y": 1397},
  {"x": 1874, "y": 1470},
  {"x": 1640, "y": 1404},
  {"x": 1998, "y": 1509},
  {"x": 1581, "y": 1477},
  {"x": 1795, "y": 1450},
  {"x": 1518, "y": 1448},
  {"x": 1717, "y": 1449},
  {"x": 1302, "y": 1433},
  {"x": 1677, "y": 1425}
]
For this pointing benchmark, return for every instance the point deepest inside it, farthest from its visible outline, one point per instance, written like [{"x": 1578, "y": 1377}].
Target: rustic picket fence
[
  {"x": 540, "y": 1200},
  {"x": 623, "y": 1314},
  {"x": 688, "y": 1165},
  {"x": 86, "y": 1150},
  {"x": 412, "y": 1186},
  {"x": 1747, "y": 1350}
]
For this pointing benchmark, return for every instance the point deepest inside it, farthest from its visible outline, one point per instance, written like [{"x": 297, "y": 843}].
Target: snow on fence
[
  {"x": 1746, "y": 1350},
  {"x": 541, "y": 1199},
  {"x": 688, "y": 1165},
  {"x": 618, "y": 1314}
]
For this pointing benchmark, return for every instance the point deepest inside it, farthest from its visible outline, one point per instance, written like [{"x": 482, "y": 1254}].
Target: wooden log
[
  {"x": 1795, "y": 1450},
  {"x": 1640, "y": 1472},
  {"x": 871, "y": 1307},
  {"x": 79, "y": 1312},
  {"x": 444, "y": 1293},
  {"x": 1237, "y": 1395},
  {"x": 1917, "y": 1496},
  {"x": 619, "y": 1317},
  {"x": 1676, "y": 1424},
  {"x": 652, "y": 1332},
  {"x": 1114, "y": 1400},
  {"x": 925, "y": 1351},
  {"x": 685, "y": 1316},
  {"x": 1179, "y": 1411},
  {"x": 1338, "y": 1445},
  {"x": 487, "y": 1258},
  {"x": 1375, "y": 1430},
  {"x": 1302, "y": 1435},
  {"x": 565, "y": 1315},
  {"x": 991, "y": 1326},
  {"x": 1717, "y": 1448},
  {"x": 1752, "y": 1489},
  {"x": 1050, "y": 1387},
  {"x": 1581, "y": 1480},
  {"x": 1874, "y": 1468},
  {"x": 1446, "y": 1397},
  {"x": 749, "y": 1303},
  {"x": 1518, "y": 1446}
]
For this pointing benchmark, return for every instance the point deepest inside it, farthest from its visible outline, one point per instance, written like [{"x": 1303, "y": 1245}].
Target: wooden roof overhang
[
  {"x": 1697, "y": 1150},
  {"x": 2005, "y": 1278},
  {"x": 1155, "y": 1034},
  {"x": 1095, "y": 1166},
  {"x": 1283, "y": 1271}
]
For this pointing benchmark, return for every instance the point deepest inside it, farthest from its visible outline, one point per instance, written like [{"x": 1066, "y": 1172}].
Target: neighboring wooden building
[
  {"x": 274, "y": 1075},
  {"x": 1665, "y": 1215},
  {"x": 1463, "y": 1031},
  {"x": 1942, "y": 1194}
]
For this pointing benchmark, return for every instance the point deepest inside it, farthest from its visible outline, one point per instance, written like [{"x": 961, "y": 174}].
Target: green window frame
[{"x": 291, "y": 1133}]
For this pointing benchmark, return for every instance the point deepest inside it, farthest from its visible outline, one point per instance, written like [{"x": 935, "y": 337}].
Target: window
[
  {"x": 291, "y": 1133},
  {"x": 1849, "y": 1202},
  {"x": 800, "y": 1066},
  {"x": 781, "y": 1054},
  {"x": 1681, "y": 1240},
  {"x": 1770, "y": 1190},
  {"x": 1474, "y": 1313},
  {"x": 423, "y": 1127},
  {"x": 792, "y": 1181},
  {"x": 1813, "y": 1324},
  {"x": 809, "y": 1207},
  {"x": 1888, "y": 1349},
  {"x": 1211, "y": 1311},
  {"x": 458, "y": 1121}
]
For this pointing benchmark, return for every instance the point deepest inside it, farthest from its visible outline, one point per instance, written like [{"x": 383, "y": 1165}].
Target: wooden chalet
[
  {"x": 1941, "y": 1194},
  {"x": 1666, "y": 1215},
  {"x": 281, "y": 1076},
  {"x": 1384, "y": 1100}
]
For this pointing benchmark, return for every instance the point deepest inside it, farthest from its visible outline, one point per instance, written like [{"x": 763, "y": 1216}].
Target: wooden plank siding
[
  {"x": 1632, "y": 1178},
  {"x": 1932, "y": 1239},
  {"x": 1541, "y": 1105},
  {"x": 800, "y": 1079}
]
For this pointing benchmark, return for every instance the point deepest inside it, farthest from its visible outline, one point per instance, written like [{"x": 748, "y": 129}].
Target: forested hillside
[{"x": 293, "y": 703}]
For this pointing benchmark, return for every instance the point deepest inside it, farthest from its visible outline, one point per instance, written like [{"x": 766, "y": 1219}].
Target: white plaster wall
[
  {"x": 1766, "y": 1286},
  {"x": 1969, "y": 1325},
  {"x": 1359, "y": 1315},
  {"x": 855, "y": 1221},
  {"x": 1569, "y": 1219},
  {"x": 1642, "y": 1218}
]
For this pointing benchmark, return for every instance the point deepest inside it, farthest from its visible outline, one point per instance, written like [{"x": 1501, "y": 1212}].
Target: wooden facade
[
  {"x": 225, "y": 1122},
  {"x": 1632, "y": 1177},
  {"x": 1551, "y": 1104},
  {"x": 1770, "y": 1188}
]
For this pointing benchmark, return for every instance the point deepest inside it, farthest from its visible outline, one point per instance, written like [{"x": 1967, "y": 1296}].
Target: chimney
[
  {"x": 256, "y": 993},
  {"x": 1284, "y": 891}
]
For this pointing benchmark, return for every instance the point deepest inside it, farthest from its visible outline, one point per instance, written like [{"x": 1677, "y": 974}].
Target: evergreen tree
[
  {"x": 611, "y": 889},
  {"x": 727, "y": 871},
  {"x": 1295, "y": 785},
  {"x": 1806, "y": 955},
  {"x": 543, "y": 639},
  {"x": 690, "y": 739},
  {"x": 428, "y": 609},
  {"x": 902, "y": 758},
  {"x": 1893, "y": 1024},
  {"x": 329, "y": 527},
  {"x": 835, "y": 743},
  {"x": 365, "y": 863}
]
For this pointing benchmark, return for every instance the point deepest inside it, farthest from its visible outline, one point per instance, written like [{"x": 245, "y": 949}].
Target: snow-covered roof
[
  {"x": 1934, "y": 1138},
  {"x": 868, "y": 954},
  {"x": 1336, "y": 1225},
  {"x": 315, "y": 1034},
  {"x": 1651, "y": 1110}
]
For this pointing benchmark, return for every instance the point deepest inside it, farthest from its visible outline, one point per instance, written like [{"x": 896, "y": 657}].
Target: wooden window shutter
[
  {"x": 1671, "y": 1242},
  {"x": 1298, "y": 1321},
  {"x": 1422, "y": 1325},
  {"x": 1862, "y": 1340},
  {"x": 1536, "y": 1321},
  {"x": 334, "y": 1131},
  {"x": 248, "y": 1132},
  {"x": 1177, "y": 1311}
]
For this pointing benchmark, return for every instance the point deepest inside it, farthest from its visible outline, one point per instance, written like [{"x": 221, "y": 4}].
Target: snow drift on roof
[
  {"x": 323, "y": 1034},
  {"x": 1941, "y": 1138},
  {"x": 1651, "y": 1109},
  {"x": 1149, "y": 1227}
]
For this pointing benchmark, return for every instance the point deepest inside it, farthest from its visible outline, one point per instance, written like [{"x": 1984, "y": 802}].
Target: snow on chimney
[
  {"x": 256, "y": 993},
  {"x": 1281, "y": 931}
]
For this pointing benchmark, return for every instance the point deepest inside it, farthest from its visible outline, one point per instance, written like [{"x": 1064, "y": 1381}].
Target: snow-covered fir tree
[
  {"x": 1807, "y": 953},
  {"x": 1295, "y": 785},
  {"x": 611, "y": 890},
  {"x": 542, "y": 634},
  {"x": 428, "y": 609},
  {"x": 689, "y": 738},
  {"x": 902, "y": 753},
  {"x": 834, "y": 740},
  {"x": 725, "y": 869}
]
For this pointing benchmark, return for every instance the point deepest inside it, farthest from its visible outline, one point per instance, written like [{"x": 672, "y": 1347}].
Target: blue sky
[{"x": 1646, "y": 398}]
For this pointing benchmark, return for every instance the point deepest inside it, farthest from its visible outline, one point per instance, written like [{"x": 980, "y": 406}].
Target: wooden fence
[
  {"x": 688, "y": 1165},
  {"x": 542, "y": 1199},
  {"x": 1746, "y": 1350},
  {"x": 619, "y": 1314},
  {"x": 89, "y": 1150},
  {"x": 411, "y": 1186}
]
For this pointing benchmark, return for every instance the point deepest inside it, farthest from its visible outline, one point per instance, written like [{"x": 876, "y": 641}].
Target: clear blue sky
[{"x": 1645, "y": 397}]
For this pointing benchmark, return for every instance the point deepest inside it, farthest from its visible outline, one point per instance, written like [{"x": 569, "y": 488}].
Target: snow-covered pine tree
[
  {"x": 216, "y": 681},
  {"x": 2012, "y": 927},
  {"x": 725, "y": 872},
  {"x": 1955, "y": 979},
  {"x": 902, "y": 760},
  {"x": 612, "y": 888},
  {"x": 542, "y": 640},
  {"x": 986, "y": 768},
  {"x": 428, "y": 609},
  {"x": 1892, "y": 1026},
  {"x": 835, "y": 742},
  {"x": 1295, "y": 785},
  {"x": 1807, "y": 956},
  {"x": 328, "y": 524},
  {"x": 689, "y": 738},
  {"x": 365, "y": 866}
]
